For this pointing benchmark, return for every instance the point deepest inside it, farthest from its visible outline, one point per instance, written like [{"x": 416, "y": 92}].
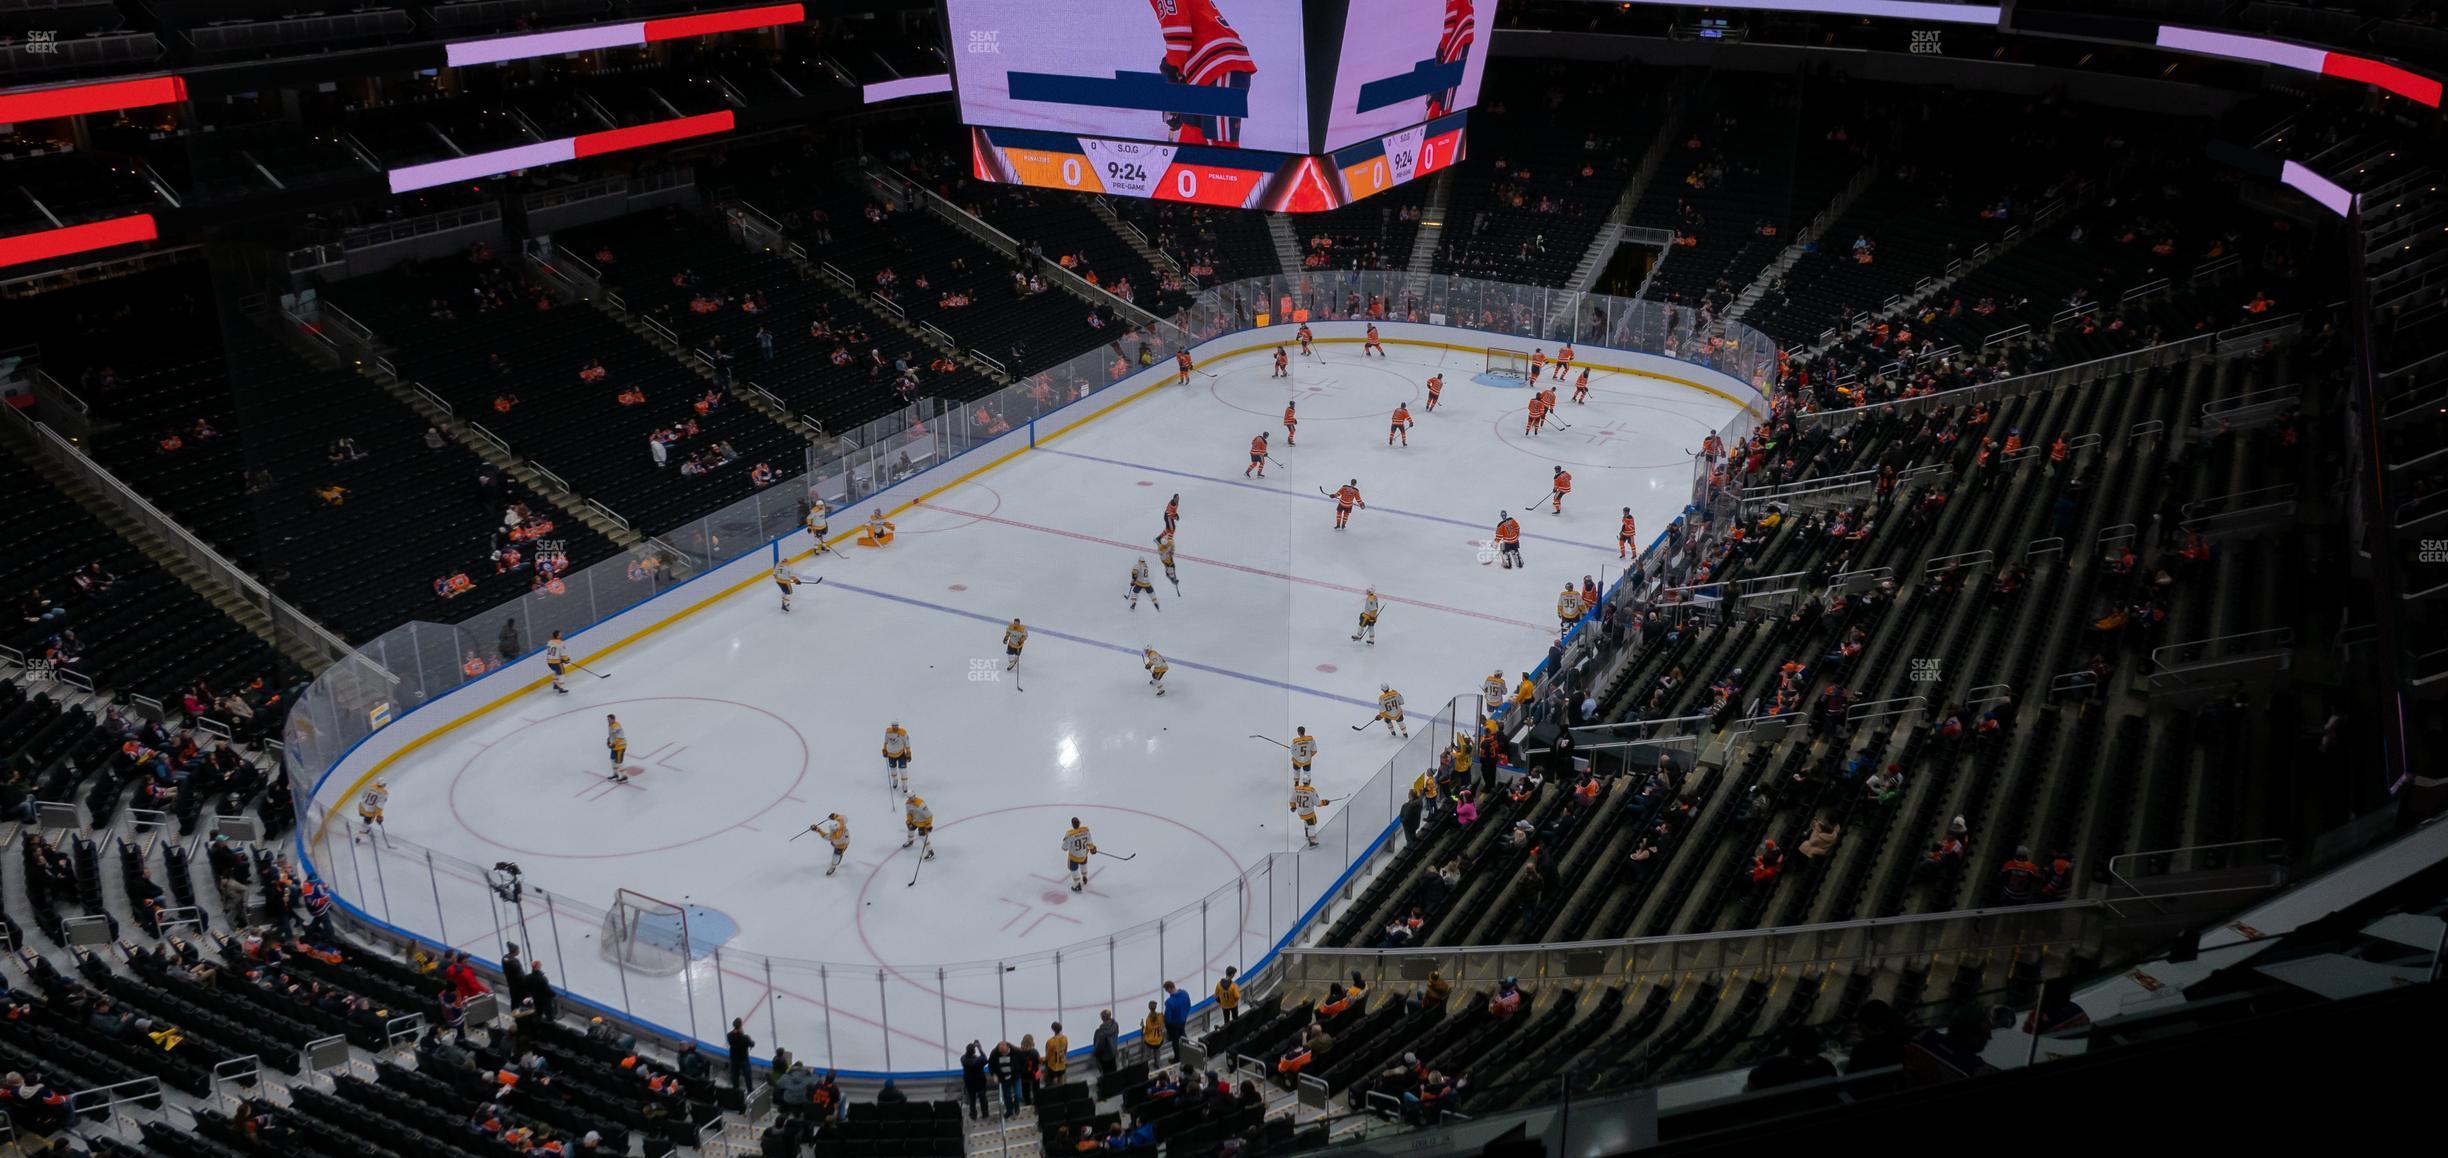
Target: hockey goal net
[
  {"x": 646, "y": 934},
  {"x": 1504, "y": 363}
]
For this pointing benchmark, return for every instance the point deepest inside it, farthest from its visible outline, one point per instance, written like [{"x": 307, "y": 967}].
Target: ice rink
[{"x": 749, "y": 723}]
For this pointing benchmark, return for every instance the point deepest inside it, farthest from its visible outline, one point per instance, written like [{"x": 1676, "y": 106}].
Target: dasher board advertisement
[{"x": 1224, "y": 74}]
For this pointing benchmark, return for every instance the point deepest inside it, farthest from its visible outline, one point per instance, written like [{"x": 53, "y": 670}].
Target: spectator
[
  {"x": 740, "y": 1044},
  {"x": 1107, "y": 1045},
  {"x": 1822, "y": 838},
  {"x": 1801, "y": 1062},
  {"x": 1176, "y": 1017},
  {"x": 2019, "y": 878},
  {"x": 1152, "y": 1032},
  {"x": 1004, "y": 1065},
  {"x": 974, "y": 1081},
  {"x": 692, "y": 1065},
  {"x": 1880, "y": 1038},
  {"x": 1027, "y": 1063},
  {"x": 1227, "y": 996},
  {"x": 1057, "y": 1056},
  {"x": 1506, "y": 1002}
]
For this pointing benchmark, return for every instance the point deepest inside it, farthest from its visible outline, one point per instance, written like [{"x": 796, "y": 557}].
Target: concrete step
[
  {"x": 1131, "y": 237},
  {"x": 1287, "y": 243},
  {"x": 554, "y": 491},
  {"x": 170, "y": 557}
]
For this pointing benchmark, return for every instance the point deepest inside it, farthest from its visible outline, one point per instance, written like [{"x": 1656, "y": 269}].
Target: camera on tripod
[{"x": 507, "y": 880}]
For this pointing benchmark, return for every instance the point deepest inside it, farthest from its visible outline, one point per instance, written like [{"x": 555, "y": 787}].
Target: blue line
[
  {"x": 1233, "y": 482},
  {"x": 1124, "y": 649}
]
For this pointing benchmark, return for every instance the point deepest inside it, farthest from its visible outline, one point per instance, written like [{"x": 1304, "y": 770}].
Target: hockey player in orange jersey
[{"x": 1345, "y": 499}]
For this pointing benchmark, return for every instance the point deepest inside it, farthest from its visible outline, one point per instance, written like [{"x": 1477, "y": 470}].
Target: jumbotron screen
[
  {"x": 1215, "y": 73},
  {"x": 1404, "y": 62},
  {"x": 1205, "y": 175}
]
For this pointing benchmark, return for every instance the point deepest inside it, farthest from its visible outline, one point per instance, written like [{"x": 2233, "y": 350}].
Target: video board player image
[{"x": 1212, "y": 73}]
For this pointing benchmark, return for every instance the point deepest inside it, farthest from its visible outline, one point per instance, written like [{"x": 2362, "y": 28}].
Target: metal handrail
[
  {"x": 229, "y": 573},
  {"x": 1697, "y": 938}
]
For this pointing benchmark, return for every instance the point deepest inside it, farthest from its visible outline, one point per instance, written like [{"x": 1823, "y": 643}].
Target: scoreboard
[
  {"x": 1294, "y": 106},
  {"x": 1205, "y": 175}
]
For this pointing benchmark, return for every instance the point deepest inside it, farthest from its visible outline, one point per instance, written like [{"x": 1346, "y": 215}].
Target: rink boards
[{"x": 870, "y": 1016}]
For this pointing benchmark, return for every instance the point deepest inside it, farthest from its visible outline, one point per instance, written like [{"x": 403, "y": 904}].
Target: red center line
[{"x": 1541, "y": 628}]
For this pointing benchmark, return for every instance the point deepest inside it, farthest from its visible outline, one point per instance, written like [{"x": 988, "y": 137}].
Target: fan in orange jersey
[
  {"x": 1436, "y": 389},
  {"x": 1182, "y": 360},
  {"x": 1303, "y": 335},
  {"x": 1402, "y": 424},
  {"x": 1581, "y": 387},
  {"x": 1258, "y": 457},
  {"x": 1563, "y": 487},
  {"x": 1371, "y": 343},
  {"x": 1538, "y": 414},
  {"x": 1291, "y": 423},
  {"x": 1563, "y": 362},
  {"x": 1345, "y": 499},
  {"x": 1282, "y": 361},
  {"x": 1627, "y": 540}
]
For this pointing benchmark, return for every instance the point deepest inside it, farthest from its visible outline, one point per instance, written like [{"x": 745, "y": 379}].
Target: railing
[
  {"x": 1009, "y": 246},
  {"x": 399, "y": 893},
  {"x": 2197, "y": 877},
  {"x": 2064, "y": 929},
  {"x": 290, "y": 626},
  {"x": 2220, "y": 658},
  {"x": 2022, "y": 385}
]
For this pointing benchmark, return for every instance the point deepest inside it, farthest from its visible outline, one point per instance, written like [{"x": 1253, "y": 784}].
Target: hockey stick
[
  {"x": 1276, "y": 461},
  {"x": 914, "y": 869},
  {"x": 1271, "y": 740},
  {"x": 1542, "y": 498},
  {"x": 1118, "y": 855},
  {"x": 1365, "y": 725},
  {"x": 802, "y": 832},
  {"x": 591, "y": 671}
]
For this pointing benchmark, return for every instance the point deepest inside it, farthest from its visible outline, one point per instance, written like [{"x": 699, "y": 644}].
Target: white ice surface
[{"x": 749, "y": 724}]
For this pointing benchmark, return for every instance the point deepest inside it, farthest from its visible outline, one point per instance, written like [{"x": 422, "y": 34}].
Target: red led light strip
[
  {"x": 2411, "y": 85},
  {"x": 79, "y": 99},
  {"x": 709, "y": 23},
  {"x": 638, "y": 136},
  {"x": 50, "y": 243}
]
